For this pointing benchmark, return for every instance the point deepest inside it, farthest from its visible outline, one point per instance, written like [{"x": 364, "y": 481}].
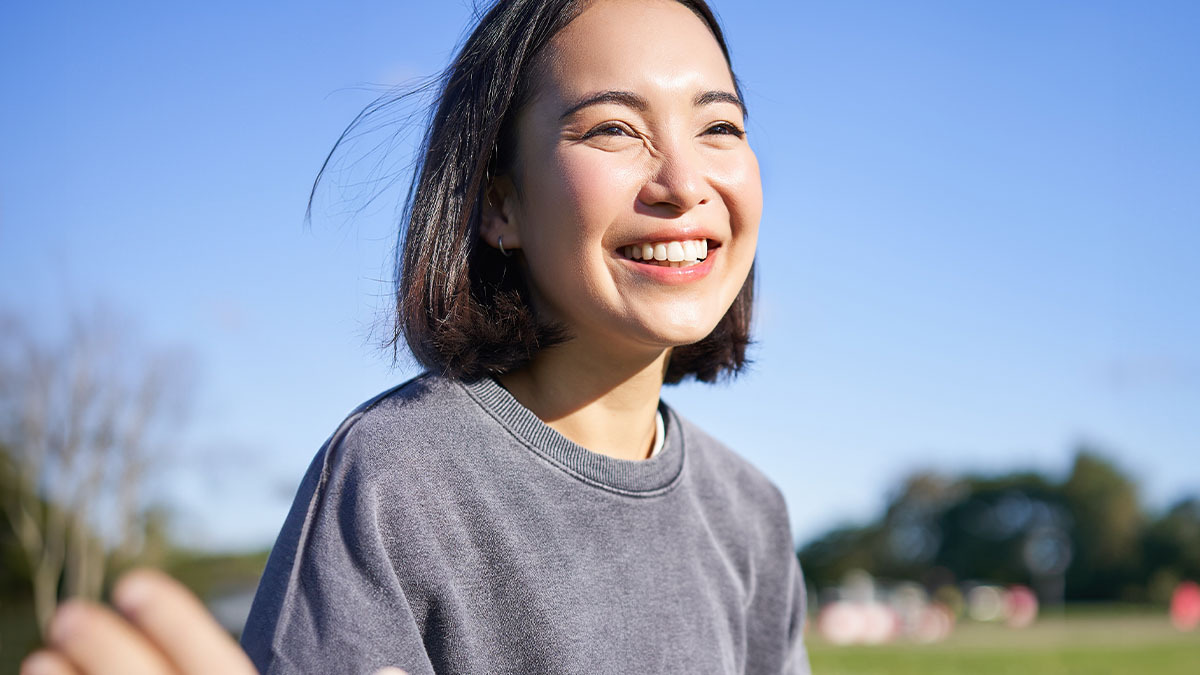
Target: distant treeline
[{"x": 1087, "y": 537}]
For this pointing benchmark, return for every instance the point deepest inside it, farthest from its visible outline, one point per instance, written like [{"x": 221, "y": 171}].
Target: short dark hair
[{"x": 462, "y": 306}]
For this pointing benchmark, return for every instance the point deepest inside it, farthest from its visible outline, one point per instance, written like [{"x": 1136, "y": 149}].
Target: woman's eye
[
  {"x": 725, "y": 129},
  {"x": 609, "y": 130}
]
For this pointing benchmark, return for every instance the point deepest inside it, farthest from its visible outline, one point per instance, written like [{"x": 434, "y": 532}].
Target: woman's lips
[{"x": 668, "y": 271}]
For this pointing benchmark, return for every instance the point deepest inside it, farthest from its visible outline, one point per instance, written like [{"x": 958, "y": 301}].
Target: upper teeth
[{"x": 687, "y": 250}]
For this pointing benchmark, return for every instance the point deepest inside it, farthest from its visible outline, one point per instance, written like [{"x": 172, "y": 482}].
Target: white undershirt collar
[{"x": 660, "y": 433}]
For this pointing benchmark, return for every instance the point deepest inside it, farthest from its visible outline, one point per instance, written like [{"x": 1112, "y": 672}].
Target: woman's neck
[{"x": 604, "y": 406}]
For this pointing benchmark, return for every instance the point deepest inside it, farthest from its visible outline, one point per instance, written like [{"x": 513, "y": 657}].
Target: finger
[
  {"x": 47, "y": 663},
  {"x": 390, "y": 670},
  {"x": 179, "y": 624},
  {"x": 98, "y": 642}
]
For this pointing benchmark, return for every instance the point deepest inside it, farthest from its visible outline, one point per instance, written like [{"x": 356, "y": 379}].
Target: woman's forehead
[{"x": 634, "y": 45}]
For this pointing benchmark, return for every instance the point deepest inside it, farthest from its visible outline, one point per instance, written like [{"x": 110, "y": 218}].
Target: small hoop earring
[{"x": 500, "y": 243}]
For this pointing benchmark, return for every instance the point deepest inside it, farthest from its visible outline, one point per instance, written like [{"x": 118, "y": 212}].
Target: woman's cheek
[
  {"x": 741, "y": 186},
  {"x": 597, "y": 183}
]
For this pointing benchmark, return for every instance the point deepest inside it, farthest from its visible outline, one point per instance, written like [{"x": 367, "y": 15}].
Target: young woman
[{"x": 581, "y": 230}]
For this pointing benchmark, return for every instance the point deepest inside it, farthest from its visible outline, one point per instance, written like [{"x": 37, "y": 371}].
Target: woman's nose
[{"x": 676, "y": 181}]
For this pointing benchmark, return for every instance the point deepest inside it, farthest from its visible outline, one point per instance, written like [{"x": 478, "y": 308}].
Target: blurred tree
[
  {"x": 82, "y": 420},
  {"x": 827, "y": 559},
  {"x": 1106, "y": 532},
  {"x": 911, "y": 533},
  {"x": 1082, "y": 538},
  {"x": 14, "y": 570},
  {"x": 1171, "y": 549},
  {"x": 902, "y": 545},
  {"x": 1008, "y": 529}
]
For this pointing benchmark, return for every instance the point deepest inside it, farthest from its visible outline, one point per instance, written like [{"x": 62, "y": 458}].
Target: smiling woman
[
  {"x": 581, "y": 230},
  {"x": 635, "y": 155}
]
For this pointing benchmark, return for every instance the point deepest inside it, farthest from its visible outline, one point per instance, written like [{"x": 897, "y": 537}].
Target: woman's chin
[
  {"x": 647, "y": 333},
  {"x": 671, "y": 335}
]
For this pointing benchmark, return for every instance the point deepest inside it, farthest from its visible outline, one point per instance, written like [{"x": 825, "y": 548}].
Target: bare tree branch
[{"x": 84, "y": 419}]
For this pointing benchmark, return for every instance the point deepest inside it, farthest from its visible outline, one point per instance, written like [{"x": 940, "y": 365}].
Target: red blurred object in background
[
  {"x": 1185, "y": 606},
  {"x": 1022, "y": 606}
]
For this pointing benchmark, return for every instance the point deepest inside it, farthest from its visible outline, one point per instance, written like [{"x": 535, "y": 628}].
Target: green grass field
[{"x": 1089, "y": 641}]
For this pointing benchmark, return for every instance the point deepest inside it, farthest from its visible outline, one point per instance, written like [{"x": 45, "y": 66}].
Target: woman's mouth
[{"x": 679, "y": 253}]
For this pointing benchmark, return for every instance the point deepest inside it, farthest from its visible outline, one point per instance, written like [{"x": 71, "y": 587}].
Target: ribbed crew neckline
[{"x": 635, "y": 478}]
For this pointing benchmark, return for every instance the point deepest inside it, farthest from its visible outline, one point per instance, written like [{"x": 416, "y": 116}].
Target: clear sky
[{"x": 980, "y": 244}]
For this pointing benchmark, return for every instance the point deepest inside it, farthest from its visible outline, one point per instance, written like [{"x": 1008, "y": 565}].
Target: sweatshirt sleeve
[
  {"x": 329, "y": 600},
  {"x": 796, "y": 662}
]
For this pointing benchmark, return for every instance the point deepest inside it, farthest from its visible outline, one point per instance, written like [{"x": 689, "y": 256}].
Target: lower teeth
[{"x": 668, "y": 263}]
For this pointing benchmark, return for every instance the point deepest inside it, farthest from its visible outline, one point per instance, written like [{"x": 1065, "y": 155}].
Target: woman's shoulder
[
  {"x": 727, "y": 473},
  {"x": 404, "y": 423},
  {"x": 424, "y": 394}
]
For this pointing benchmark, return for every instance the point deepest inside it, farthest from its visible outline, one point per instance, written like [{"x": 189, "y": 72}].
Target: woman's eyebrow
[
  {"x": 717, "y": 96},
  {"x": 625, "y": 98},
  {"x": 636, "y": 102}
]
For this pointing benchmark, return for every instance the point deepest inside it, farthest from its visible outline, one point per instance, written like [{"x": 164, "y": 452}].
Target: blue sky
[{"x": 979, "y": 246}]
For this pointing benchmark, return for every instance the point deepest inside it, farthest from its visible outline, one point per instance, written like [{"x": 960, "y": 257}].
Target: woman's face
[{"x": 631, "y": 150}]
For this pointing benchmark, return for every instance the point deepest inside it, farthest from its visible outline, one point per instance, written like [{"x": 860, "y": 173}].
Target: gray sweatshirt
[{"x": 445, "y": 528}]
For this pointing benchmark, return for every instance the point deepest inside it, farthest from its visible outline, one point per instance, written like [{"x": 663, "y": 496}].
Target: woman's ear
[{"x": 497, "y": 223}]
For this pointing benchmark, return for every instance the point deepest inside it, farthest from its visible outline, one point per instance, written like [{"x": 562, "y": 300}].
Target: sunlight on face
[{"x": 631, "y": 151}]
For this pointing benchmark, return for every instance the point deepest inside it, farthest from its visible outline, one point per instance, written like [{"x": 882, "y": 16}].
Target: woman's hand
[{"x": 162, "y": 628}]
